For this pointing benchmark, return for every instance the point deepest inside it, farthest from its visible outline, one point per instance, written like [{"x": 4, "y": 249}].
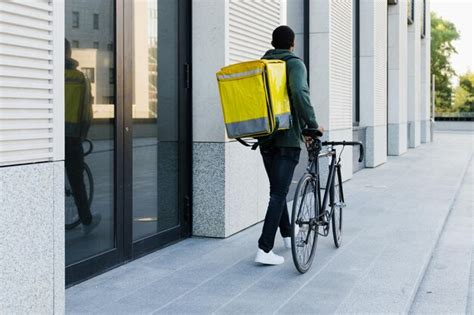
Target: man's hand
[{"x": 309, "y": 140}]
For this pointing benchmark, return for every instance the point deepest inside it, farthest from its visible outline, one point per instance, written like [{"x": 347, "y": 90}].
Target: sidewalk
[{"x": 391, "y": 226}]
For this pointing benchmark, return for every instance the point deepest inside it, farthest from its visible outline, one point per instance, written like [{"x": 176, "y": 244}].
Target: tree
[
  {"x": 464, "y": 93},
  {"x": 443, "y": 33}
]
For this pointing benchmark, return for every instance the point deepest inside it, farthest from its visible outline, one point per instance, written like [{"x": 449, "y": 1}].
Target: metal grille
[
  {"x": 30, "y": 82},
  {"x": 341, "y": 65},
  {"x": 251, "y": 24}
]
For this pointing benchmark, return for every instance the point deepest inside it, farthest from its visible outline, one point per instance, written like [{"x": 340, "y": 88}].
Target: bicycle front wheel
[
  {"x": 337, "y": 203},
  {"x": 304, "y": 230}
]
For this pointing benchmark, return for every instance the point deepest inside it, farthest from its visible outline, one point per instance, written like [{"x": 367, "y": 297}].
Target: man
[
  {"x": 281, "y": 152},
  {"x": 78, "y": 118}
]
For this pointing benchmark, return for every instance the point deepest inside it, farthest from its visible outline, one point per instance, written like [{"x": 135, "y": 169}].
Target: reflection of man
[{"x": 78, "y": 117}]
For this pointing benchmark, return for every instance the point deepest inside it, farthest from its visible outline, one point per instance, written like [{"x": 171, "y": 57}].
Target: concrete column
[
  {"x": 426, "y": 77},
  {"x": 373, "y": 79},
  {"x": 331, "y": 71},
  {"x": 295, "y": 20},
  {"x": 230, "y": 186},
  {"x": 397, "y": 74},
  {"x": 414, "y": 78}
]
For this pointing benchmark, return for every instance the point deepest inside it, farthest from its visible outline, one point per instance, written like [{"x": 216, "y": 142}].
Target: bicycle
[
  {"x": 309, "y": 213},
  {"x": 71, "y": 217}
]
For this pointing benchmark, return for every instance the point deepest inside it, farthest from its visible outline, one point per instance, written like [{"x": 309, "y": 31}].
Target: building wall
[
  {"x": 425, "y": 124},
  {"x": 373, "y": 79},
  {"x": 397, "y": 77},
  {"x": 225, "y": 171},
  {"x": 230, "y": 188},
  {"x": 331, "y": 71},
  {"x": 31, "y": 157},
  {"x": 414, "y": 78}
]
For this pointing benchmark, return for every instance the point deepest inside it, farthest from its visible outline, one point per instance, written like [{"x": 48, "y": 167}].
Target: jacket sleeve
[{"x": 299, "y": 90}]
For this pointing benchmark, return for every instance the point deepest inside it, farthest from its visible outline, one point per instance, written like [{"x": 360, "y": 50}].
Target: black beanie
[{"x": 283, "y": 37}]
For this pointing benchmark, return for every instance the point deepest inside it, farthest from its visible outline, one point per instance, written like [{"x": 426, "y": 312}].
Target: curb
[{"x": 427, "y": 262}]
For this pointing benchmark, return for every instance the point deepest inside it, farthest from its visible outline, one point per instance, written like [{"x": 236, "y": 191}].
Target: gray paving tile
[
  {"x": 445, "y": 286},
  {"x": 394, "y": 216}
]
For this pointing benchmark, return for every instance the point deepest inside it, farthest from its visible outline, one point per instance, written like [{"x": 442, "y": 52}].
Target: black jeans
[
  {"x": 280, "y": 165},
  {"x": 74, "y": 160}
]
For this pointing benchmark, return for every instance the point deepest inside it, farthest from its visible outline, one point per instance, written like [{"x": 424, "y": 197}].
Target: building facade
[{"x": 155, "y": 165}]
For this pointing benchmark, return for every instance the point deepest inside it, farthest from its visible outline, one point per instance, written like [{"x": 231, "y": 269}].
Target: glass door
[
  {"x": 128, "y": 149},
  {"x": 156, "y": 113},
  {"x": 90, "y": 90}
]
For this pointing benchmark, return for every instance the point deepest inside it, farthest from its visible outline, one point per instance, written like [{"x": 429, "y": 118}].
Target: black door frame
[{"x": 125, "y": 249}]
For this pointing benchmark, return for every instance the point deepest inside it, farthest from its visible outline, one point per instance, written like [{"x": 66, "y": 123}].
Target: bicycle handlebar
[
  {"x": 352, "y": 143},
  {"x": 316, "y": 133}
]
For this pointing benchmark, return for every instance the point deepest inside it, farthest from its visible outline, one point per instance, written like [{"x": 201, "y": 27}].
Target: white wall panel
[
  {"x": 31, "y": 81},
  {"x": 341, "y": 65},
  {"x": 251, "y": 23},
  {"x": 380, "y": 59}
]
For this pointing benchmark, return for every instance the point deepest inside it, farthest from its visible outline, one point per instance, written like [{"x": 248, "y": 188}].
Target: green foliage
[
  {"x": 443, "y": 33},
  {"x": 464, "y": 93}
]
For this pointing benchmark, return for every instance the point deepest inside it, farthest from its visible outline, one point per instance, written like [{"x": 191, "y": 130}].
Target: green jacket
[{"x": 302, "y": 111}]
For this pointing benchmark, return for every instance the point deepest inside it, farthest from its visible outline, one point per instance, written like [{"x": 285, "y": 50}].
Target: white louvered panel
[
  {"x": 12, "y": 72},
  {"x": 24, "y": 134},
  {"x": 380, "y": 55},
  {"x": 9, "y": 50},
  {"x": 341, "y": 65},
  {"x": 19, "y": 20},
  {"x": 251, "y": 23},
  {"x": 29, "y": 80},
  {"x": 21, "y": 8},
  {"x": 19, "y": 41}
]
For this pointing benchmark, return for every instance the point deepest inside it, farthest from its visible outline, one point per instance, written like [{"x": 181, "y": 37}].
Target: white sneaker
[
  {"x": 269, "y": 258},
  {"x": 287, "y": 241}
]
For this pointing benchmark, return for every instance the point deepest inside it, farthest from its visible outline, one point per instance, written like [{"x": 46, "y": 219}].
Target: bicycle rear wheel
[
  {"x": 337, "y": 203},
  {"x": 304, "y": 230}
]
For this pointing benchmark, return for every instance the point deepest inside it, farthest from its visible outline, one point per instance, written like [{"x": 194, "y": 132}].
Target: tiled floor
[{"x": 393, "y": 220}]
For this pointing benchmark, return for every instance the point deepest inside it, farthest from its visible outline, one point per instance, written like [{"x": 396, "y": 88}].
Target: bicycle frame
[{"x": 334, "y": 168}]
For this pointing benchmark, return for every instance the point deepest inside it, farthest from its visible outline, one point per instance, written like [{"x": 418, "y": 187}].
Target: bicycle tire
[
  {"x": 305, "y": 191},
  {"x": 337, "y": 200},
  {"x": 90, "y": 196}
]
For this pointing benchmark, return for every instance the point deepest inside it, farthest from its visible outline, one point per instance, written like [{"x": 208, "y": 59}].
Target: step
[{"x": 445, "y": 286}]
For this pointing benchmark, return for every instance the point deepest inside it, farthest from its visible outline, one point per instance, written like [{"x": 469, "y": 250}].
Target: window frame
[
  {"x": 76, "y": 19},
  {"x": 410, "y": 11},
  {"x": 423, "y": 20},
  {"x": 95, "y": 21}
]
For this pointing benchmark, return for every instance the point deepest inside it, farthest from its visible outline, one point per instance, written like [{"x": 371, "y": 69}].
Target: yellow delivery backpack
[{"x": 254, "y": 98}]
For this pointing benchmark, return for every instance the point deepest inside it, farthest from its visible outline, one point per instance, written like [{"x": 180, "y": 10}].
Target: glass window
[
  {"x": 423, "y": 20},
  {"x": 75, "y": 19},
  {"x": 96, "y": 21},
  {"x": 111, "y": 76},
  {"x": 355, "y": 63},
  {"x": 110, "y": 46},
  {"x": 89, "y": 133},
  {"x": 89, "y": 73},
  {"x": 411, "y": 11},
  {"x": 155, "y": 117}
]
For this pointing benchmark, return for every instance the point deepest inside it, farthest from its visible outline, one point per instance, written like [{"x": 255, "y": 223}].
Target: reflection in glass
[
  {"x": 155, "y": 117},
  {"x": 411, "y": 11},
  {"x": 89, "y": 119}
]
